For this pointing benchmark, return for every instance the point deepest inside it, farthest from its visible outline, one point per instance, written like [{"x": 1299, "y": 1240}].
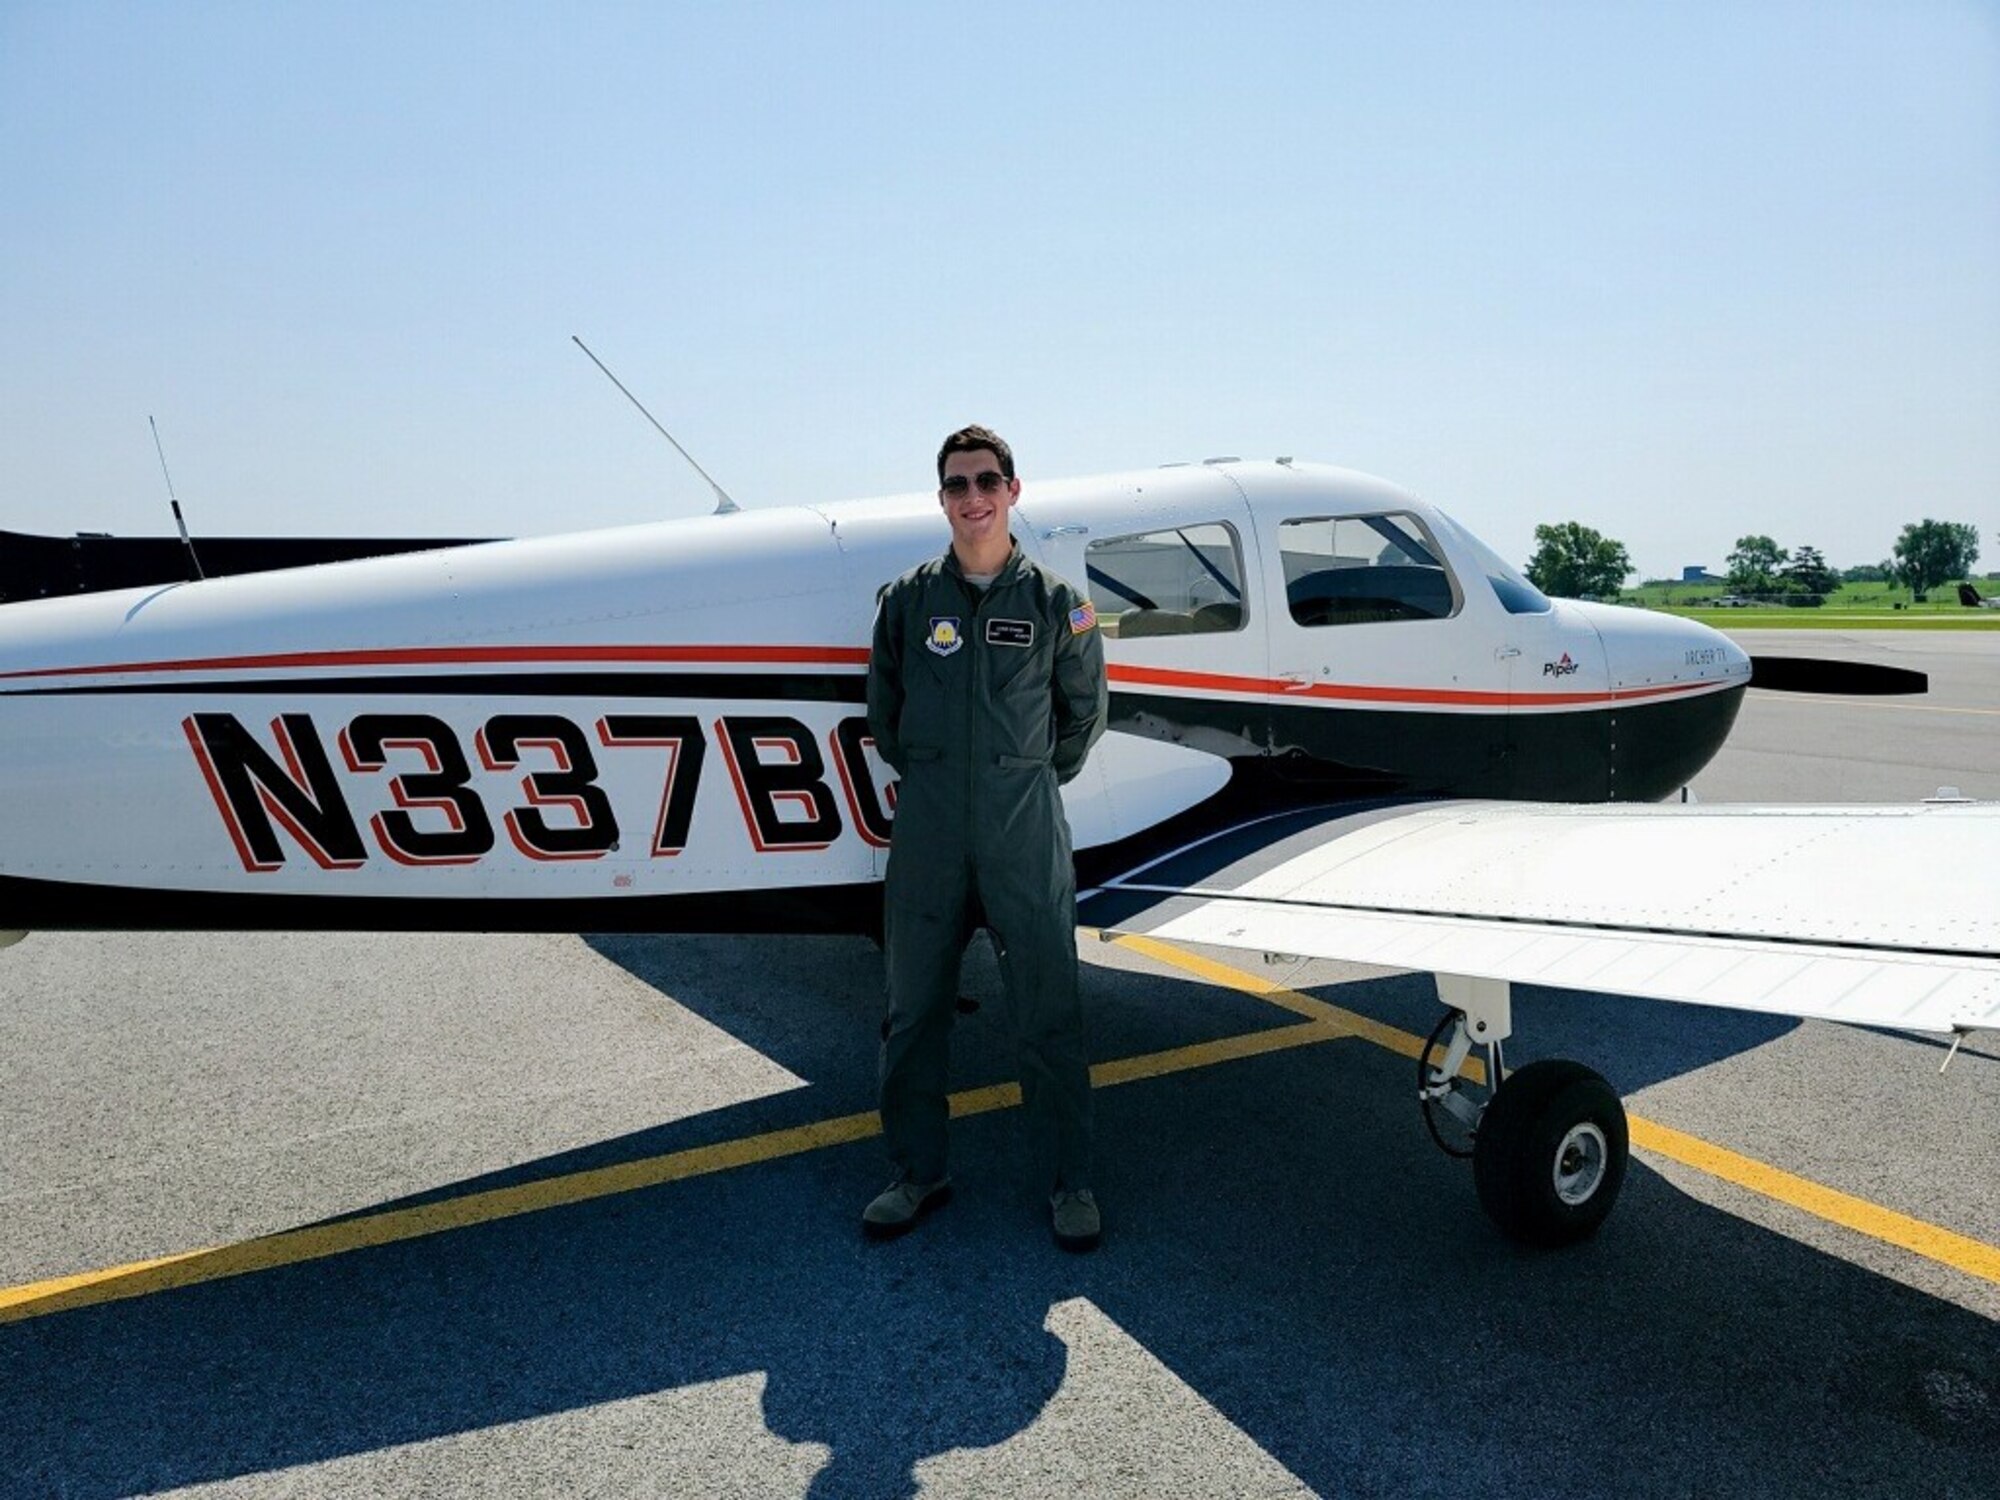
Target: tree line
[{"x": 1572, "y": 561}]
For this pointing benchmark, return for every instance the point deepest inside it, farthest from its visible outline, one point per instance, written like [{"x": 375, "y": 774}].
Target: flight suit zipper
[{"x": 981, "y": 691}]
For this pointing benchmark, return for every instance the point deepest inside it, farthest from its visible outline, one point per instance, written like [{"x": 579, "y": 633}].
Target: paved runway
[{"x": 563, "y": 1215}]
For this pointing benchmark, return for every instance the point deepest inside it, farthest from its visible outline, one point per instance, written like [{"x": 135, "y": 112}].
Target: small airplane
[
  {"x": 661, "y": 728},
  {"x": 1971, "y": 598}
]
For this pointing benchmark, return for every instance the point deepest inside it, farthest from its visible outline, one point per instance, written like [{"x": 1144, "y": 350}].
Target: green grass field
[{"x": 1854, "y": 606}]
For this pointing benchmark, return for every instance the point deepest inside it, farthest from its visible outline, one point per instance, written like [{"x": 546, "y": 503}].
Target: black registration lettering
[
  {"x": 780, "y": 782},
  {"x": 256, "y": 795},
  {"x": 570, "y": 785},
  {"x": 851, "y": 744},
  {"x": 441, "y": 787},
  {"x": 287, "y": 788},
  {"x": 681, "y": 736}
]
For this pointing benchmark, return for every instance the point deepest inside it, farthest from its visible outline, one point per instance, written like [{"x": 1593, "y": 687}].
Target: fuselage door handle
[
  {"x": 1294, "y": 682},
  {"x": 1506, "y": 653}
]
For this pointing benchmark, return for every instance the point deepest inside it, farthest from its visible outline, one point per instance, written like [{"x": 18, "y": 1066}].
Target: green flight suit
[{"x": 983, "y": 702}]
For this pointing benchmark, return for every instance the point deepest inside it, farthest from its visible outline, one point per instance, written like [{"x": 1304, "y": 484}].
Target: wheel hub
[{"x": 1580, "y": 1162}]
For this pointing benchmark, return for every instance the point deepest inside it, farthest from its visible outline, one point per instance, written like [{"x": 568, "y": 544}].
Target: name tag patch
[{"x": 1010, "y": 632}]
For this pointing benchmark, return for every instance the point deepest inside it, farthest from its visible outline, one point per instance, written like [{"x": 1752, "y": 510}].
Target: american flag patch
[{"x": 1082, "y": 618}]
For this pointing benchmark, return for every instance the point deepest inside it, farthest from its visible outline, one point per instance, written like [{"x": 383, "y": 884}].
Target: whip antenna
[
  {"x": 175, "y": 500},
  {"x": 723, "y": 504}
]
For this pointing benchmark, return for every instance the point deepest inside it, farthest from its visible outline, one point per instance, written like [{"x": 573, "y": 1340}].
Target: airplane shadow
[{"x": 1281, "y": 1236}]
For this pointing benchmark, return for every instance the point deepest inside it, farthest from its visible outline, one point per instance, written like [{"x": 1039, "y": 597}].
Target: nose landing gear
[{"x": 1549, "y": 1142}]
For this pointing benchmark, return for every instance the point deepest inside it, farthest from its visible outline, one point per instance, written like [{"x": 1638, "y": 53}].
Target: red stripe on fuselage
[
  {"x": 1121, "y": 674},
  {"x": 441, "y": 656},
  {"x": 1356, "y": 692}
]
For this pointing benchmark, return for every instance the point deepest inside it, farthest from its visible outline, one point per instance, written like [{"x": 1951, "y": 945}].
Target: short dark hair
[{"x": 971, "y": 440}]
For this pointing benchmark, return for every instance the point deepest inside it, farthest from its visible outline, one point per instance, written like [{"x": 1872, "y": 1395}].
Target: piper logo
[{"x": 1561, "y": 668}]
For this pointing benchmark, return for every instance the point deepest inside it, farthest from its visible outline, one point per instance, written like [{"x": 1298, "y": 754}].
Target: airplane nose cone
[{"x": 1644, "y": 649}]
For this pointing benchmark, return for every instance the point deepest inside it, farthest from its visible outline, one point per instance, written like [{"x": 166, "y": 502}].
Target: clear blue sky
[{"x": 1678, "y": 271}]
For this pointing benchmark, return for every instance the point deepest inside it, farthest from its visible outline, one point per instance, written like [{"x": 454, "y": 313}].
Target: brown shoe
[
  {"x": 898, "y": 1206},
  {"x": 1073, "y": 1213}
]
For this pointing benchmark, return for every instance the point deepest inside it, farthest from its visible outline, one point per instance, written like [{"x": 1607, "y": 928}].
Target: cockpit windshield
[{"x": 1517, "y": 596}]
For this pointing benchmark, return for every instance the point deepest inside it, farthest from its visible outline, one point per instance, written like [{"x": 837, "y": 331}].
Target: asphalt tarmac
[{"x": 578, "y": 1216}]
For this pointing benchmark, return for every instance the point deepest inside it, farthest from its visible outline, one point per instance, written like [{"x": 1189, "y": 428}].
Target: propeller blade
[{"x": 1818, "y": 674}]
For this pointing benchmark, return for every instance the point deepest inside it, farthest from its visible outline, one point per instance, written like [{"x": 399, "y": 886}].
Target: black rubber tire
[{"x": 1514, "y": 1157}]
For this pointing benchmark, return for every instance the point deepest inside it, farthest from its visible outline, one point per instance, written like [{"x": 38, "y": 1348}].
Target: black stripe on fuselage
[
  {"x": 1620, "y": 752},
  {"x": 56, "y": 905}
]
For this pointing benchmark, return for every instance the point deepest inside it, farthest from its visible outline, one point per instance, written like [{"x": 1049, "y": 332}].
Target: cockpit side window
[
  {"x": 1186, "y": 581},
  {"x": 1362, "y": 570}
]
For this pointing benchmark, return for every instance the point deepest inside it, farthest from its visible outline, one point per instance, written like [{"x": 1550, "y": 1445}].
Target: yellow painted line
[
  {"x": 1390, "y": 1038},
  {"x": 1931, "y": 1241},
  {"x": 1324, "y": 1022},
  {"x": 293, "y": 1246},
  {"x": 1203, "y": 1054},
  {"x": 1974, "y": 1257}
]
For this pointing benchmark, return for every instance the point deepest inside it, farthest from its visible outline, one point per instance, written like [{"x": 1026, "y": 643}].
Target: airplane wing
[{"x": 1878, "y": 916}]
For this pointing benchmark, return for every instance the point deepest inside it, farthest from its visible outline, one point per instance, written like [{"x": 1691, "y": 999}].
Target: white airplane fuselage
[{"x": 662, "y": 726}]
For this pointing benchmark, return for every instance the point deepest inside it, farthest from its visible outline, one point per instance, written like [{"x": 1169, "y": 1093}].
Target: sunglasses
[{"x": 958, "y": 486}]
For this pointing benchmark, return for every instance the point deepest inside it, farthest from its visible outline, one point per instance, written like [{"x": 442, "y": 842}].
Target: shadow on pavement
[{"x": 1280, "y": 1235}]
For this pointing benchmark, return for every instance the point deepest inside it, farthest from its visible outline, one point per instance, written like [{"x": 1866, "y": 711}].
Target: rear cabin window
[
  {"x": 1362, "y": 570},
  {"x": 1187, "y": 581}
]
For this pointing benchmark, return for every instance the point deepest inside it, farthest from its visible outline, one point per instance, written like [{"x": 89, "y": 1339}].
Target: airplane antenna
[
  {"x": 175, "y": 500},
  {"x": 723, "y": 504}
]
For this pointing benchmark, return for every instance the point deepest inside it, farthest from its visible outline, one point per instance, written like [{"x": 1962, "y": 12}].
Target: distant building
[{"x": 1696, "y": 573}]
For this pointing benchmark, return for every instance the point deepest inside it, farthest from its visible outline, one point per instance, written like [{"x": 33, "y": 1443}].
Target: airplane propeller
[{"x": 1818, "y": 674}]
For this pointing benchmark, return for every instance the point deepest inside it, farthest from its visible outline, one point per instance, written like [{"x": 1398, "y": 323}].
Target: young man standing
[{"x": 985, "y": 692}]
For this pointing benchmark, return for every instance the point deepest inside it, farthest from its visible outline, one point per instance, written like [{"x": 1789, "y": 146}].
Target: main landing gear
[{"x": 1548, "y": 1142}]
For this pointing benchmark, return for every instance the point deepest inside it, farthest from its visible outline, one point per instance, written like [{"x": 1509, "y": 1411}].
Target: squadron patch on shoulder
[
  {"x": 944, "y": 637},
  {"x": 1010, "y": 632},
  {"x": 1082, "y": 618}
]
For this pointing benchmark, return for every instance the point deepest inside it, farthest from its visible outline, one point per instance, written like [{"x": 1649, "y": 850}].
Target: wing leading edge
[{"x": 1878, "y": 916}]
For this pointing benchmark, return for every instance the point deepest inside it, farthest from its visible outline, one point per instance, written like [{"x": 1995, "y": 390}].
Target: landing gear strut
[{"x": 1548, "y": 1142}]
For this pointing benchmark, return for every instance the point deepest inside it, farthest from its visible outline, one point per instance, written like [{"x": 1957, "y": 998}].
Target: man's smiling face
[{"x": 973, "y": 502}]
